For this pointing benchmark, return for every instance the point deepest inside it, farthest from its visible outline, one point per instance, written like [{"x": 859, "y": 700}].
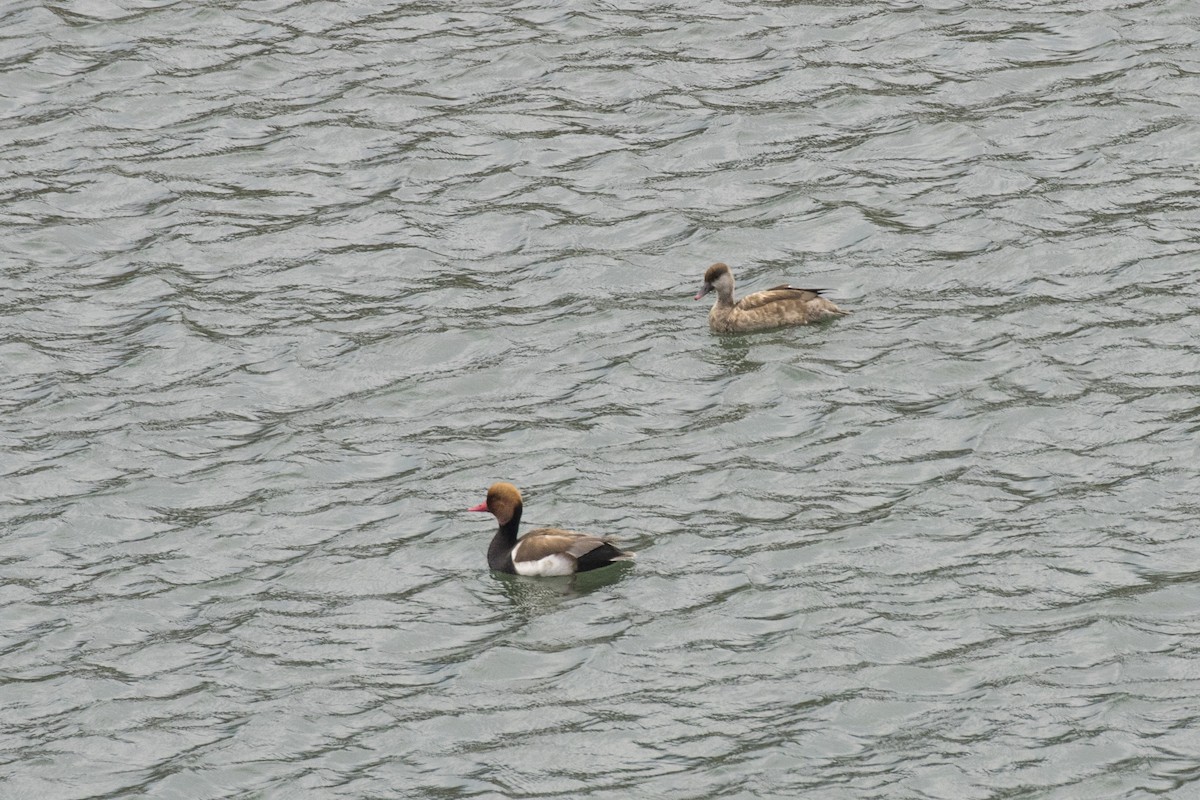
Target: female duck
[
  {"x": 774, "y": 308},
  {"x": 545, "y": 551}
]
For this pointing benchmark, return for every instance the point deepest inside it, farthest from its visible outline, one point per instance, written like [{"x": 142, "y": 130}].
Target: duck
[
  {"x": 773, "y": 308},
  {"x": 541, "y": 552}
]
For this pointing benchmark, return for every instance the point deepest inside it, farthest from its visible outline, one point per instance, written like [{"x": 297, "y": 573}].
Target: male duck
[{"x": 545, "y": 551}]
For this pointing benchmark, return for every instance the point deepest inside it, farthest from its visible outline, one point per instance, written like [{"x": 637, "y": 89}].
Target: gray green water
[{"x": 285, "y": 286}]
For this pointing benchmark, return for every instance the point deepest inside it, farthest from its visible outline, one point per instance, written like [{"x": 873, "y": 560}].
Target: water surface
[{"x": 287, "y": 285}]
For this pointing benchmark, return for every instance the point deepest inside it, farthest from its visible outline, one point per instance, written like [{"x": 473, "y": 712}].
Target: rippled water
[{"x": 286, "y": 286}]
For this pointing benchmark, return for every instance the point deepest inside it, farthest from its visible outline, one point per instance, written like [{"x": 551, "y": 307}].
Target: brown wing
[
  {"x": 778, "y": 294},
  {"x": 543, "y": 542}
]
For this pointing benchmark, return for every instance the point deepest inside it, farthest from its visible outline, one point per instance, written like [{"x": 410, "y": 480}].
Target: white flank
[{"x": 556, "y": 564}]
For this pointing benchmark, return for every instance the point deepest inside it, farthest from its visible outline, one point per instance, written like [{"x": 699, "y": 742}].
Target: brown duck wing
[
  {"x": 538, "y": 544},
  {"x": 589, "y": 552},
  {"x": 778, "y": 294}
]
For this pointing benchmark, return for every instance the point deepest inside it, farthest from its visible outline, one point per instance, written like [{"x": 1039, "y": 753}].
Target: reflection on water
[{"x": 534, "y": 596}]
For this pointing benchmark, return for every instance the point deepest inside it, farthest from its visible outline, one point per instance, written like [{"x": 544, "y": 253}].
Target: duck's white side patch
[{"x": 554, "y": 564}]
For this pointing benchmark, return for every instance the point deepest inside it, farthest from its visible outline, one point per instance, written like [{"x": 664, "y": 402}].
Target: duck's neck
[
  {"x": 724, "y": 289},
  {"x": 504, "y": 540}
]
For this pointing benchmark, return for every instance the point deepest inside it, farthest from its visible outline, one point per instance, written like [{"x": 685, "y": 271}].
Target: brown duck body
[
  {"x": 774, "y": 308},
  {"x": 545, "y": 551}
]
